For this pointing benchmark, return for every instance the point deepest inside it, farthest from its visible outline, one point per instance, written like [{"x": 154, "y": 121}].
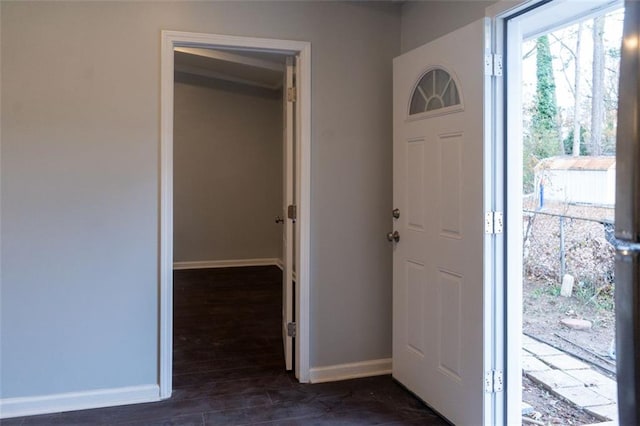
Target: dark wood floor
[{"x": 229, "y": 368}]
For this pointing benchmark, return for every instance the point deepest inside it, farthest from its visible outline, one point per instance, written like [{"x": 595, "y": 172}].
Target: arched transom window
[{"x": 436, "y": 90}]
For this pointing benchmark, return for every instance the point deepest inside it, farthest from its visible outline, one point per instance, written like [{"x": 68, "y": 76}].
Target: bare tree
[
  {"x": 577, "y": 95},
  {"x": 575, "y": 84},
  {"x": 597, "y": 105}
]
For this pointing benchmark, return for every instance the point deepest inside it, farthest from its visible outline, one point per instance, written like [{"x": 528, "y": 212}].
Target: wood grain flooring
[{"x": 229, "y": 367}]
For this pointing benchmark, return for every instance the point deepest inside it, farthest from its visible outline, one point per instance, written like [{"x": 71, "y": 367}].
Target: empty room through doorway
[{"x": 227, "y": 211}]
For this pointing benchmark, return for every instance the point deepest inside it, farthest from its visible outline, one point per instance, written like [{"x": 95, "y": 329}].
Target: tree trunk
[
  {"x": 597, "y": 105},
  {"x": 577, "y": 95}
]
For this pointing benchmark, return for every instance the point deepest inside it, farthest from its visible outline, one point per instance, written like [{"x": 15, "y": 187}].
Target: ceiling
[{"x": 260, "y": 69}]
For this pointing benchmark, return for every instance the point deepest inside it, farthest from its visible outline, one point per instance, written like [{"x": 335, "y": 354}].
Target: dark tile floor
[{"x": 229, "y": 369}]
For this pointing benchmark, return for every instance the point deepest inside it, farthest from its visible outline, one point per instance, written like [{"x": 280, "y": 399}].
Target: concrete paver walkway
[{"x": 570, "y": 379}]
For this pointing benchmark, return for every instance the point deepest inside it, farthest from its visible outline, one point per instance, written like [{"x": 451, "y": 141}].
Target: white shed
[{"x": 588, "y": 180}]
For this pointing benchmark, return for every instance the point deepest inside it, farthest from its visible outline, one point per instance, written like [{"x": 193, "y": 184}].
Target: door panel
[
  {"x": 450, "y": 323},
  {"x": 438, "y": 263},
  {"x": 415, "y": 307},
  {"x": 449, "y": 185}
]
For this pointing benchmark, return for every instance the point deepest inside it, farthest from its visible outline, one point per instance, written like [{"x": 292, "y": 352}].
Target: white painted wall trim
[
  {"x": 166, "y": 217},
  {"x": 169, "y": 41},
  {"x": 231, "y": 263},
  {"x": 334, "y": 373},
  {"x": 492, "y": 351},
  {"x": 303, "y": 172},
  {"x": 29, "y": 406},
  {"x": 512, "y": 256},
  {"x": 507, "y": 262}
]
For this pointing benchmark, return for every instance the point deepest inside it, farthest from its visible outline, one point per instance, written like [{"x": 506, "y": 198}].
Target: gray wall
[
  {"x": 227, "y": 159},
  {"x": 80, "y": 179},
  {"x": 423, "y": 21}
]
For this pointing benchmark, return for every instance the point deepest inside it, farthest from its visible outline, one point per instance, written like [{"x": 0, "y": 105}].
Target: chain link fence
[{"x": 557, "y": 244}]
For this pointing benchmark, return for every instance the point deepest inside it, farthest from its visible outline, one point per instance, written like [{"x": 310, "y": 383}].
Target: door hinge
[
  {"x": 292, "y": 212},
  {"x": 493, "y": 223},
  {"x": 292, "y": 94},
  {"x": 493, "y": 381},
  {"x": 292, "y": 329},
  {"x": 493, "y": 64}
]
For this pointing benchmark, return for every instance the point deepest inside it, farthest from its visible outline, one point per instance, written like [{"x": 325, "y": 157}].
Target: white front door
[{"x": 439, "y": 327}]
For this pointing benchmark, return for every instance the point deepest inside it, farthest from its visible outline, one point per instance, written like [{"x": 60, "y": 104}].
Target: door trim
[
  {"x": 507, "y": 17},
  {"x": 170, "y": 40}
]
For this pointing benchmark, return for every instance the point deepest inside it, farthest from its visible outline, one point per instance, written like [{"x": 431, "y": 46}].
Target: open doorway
[
  {"x": 231, "y": 179},
  {"x": 561, "y": 107},
  {"x": 237, "y": 58},
  {"x": 228, "y": 159}
]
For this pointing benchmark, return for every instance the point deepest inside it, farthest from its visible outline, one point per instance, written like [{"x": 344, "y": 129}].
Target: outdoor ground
[
  {"x": 549, "y": 409},
  {"x": 541, "y": 320},
  {"x": 543, "y": 312},
  {"x": 589, "y": 259}
]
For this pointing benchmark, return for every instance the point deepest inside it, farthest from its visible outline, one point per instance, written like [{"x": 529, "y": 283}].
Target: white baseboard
[
  {"x": 233, "y": 263},
  {"x": 333, "y": 373},
  {"x": 72, "y": 401}
]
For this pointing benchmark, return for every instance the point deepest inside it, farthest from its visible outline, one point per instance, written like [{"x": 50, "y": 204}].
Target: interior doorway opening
[
  {"x": 561, "y": 107},
  {"x": 239, "y": 62},
  {"x": 230, "y": 181},
  {"x": 227, "y": 158}
]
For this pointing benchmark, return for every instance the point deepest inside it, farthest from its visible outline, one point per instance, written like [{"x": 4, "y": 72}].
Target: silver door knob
[
  {"x": 279, "y": 219},
  {"x": 393, "y": 236}
]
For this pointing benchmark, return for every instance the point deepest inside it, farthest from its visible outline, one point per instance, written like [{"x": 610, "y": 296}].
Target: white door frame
[
  {"x": 508, "y": 269},
  {"x": 171, "y": 40},
  {"x": 508, "y": 31}
]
